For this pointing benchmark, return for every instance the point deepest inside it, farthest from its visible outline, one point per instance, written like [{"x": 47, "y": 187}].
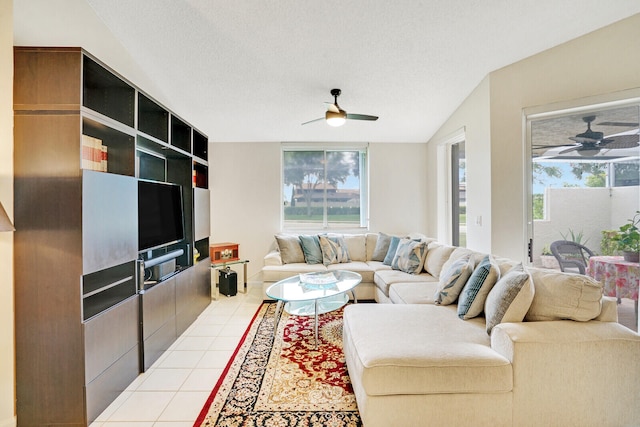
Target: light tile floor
[{"x": 174, "y": 390}]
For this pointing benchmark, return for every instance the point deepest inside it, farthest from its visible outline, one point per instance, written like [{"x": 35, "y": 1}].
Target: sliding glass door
[
  {"x": 458, "y": 195},
  {"x": 585, "y": 176}
]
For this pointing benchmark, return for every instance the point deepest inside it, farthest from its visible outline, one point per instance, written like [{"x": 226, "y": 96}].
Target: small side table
[{"x": 224, "y": 264}]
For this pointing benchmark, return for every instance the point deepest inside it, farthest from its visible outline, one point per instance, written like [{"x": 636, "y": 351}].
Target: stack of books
[{"x": 94, "y": 154}]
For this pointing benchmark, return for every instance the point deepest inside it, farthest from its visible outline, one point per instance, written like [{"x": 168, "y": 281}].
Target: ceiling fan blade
[
  {"x": 314, "y": 120},
  {"x": 621, "y": 141},
  {"x": 569, "y": 149},
  {"x": 537, "y": 146},
  {"x": 583, "y": 139},
  {"x": 361, "y": 117},
  {"x": 332, "y": 107},
  {"x": 625, "y": 124}
]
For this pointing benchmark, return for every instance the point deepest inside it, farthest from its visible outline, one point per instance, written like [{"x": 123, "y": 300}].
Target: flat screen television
[{"x": 160, "y": 214}]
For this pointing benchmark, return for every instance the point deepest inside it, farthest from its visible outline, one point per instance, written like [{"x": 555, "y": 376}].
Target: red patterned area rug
[{"x": 285, "y": 381}]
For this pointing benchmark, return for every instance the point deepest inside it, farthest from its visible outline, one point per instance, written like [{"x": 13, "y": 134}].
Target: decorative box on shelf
[{"x": 223, "y": 252}]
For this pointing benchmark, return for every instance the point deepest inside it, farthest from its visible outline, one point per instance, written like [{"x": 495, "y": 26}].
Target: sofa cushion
[
  {"x": 311, "y": 249},
  {"x": 421, "y": 349},
  {"x": 359, "y": 267},
  {"x": 381, "y": 248},
  {"x": 385, "y": 278},
  {"x": 290, "y": 249},
  {"x": 564, "y": 296},
  {"x": 409, "y": 256},
  {"x": 334, "y": 250},
  {"x": 356, "y": 246},
  {"x": 391, "y": 252},
  {"x": 273, "y": 258},
  {"x": 452, "y": 280},
  {"x": 510, "y": 298},
  {"x": 437, "y": 255},
  {"x": 474, "y": 293},
  {"x": 272, "y": 273},
  {"x": 413, "y": 293},
  {"x": 372, "y": 240}
]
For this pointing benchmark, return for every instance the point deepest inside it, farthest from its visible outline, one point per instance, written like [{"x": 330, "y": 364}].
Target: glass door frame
[{"x": 529, "y": 115}]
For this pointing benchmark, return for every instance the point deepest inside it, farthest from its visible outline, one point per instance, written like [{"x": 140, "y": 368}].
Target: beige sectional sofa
[{"x": 554, "y": 354}]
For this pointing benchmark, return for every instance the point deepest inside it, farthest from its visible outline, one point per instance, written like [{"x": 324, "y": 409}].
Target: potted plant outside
[
  {"x": 628, "y": 238},
  {"x": 608, "y": 246},
  {"x": 547, "y": 260}
]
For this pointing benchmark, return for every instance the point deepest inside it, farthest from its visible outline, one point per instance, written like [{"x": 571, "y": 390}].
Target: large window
[{"x": 324, "y": 188}]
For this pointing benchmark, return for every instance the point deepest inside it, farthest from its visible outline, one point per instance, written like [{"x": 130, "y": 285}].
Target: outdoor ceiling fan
[
  {"x": 336, "y": 116},
  {"x": 590, "y": 142}
]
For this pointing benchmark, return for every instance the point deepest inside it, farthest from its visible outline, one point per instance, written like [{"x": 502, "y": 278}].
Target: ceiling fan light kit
[
  {"x": 335, "y": 119},
  {"x": 336, "y": 116}
]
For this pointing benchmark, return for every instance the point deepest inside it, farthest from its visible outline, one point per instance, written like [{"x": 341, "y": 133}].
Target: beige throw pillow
[
  {"x": 509, "y": 299},
  {"x": 437, "y": 255},
  {"x": 452, "y": 280},
  {"x": 564, "y": 296},
  {"x": 290, "y": 248}
]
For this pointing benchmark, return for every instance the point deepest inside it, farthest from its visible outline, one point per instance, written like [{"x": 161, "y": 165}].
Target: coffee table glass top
[{"x": 314, "y": 286}]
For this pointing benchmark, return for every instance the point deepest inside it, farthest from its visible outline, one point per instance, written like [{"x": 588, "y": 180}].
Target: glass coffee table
[{"x": 312, "y": 294}]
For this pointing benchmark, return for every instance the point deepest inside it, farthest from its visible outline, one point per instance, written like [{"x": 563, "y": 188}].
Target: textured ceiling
[{"x": 255, "y": 70}]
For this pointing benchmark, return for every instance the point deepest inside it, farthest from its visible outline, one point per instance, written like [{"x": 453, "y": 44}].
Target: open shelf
[
  {"x": 200, "y": 145},
  {"x": 119, "y": 149},
  {"x": 151, "y": 166},
  {"x": 180, "y": 134},
  {"x": 152, "y": 118},
  {"x": 104, "y": 289},
  {"x": 200, "y": 176},
  {"x": 106, "y": 93}
]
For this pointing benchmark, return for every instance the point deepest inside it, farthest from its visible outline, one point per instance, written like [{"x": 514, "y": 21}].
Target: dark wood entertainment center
[{"x": 86, "y": 322}]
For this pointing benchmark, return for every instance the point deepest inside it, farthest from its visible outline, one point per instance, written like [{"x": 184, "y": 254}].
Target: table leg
[
  {"x": 244, "y": 278},
  {"x": 276, "y": 317},
  {"x": 316, "y": 321}
]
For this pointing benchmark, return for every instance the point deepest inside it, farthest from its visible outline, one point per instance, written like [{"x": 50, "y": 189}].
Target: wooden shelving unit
[{"x": 85, "y": 324}]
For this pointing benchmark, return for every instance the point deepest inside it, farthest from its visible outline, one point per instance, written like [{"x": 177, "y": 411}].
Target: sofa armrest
[
  {"x": 609, "y": 310},
  {"x": 272, "y": 258},
  {"x": 553, "y": 360}
]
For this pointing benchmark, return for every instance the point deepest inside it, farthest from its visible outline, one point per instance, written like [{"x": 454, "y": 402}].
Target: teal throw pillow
[
  {"x": 311, "y": 249},
  {"x": 391, "y": 252},
  {"x": 474, "y": 294}
]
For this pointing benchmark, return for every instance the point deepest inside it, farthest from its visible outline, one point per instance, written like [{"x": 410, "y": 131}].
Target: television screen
[{"x": 160, "y": 216}]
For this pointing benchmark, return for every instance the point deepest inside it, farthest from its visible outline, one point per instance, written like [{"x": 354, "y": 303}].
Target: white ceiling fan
[{"x": 336, "y": 116}]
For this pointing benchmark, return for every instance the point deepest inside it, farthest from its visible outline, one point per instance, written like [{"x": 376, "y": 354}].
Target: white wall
[
  {"x": 7, "y": 348},
  {"x": 398, "y": 182},
  {"x": 244, "y": 179},
  {"x": 586, "y": 210},
  {"x": 474, "y": 117},
  {"x": 625, "y": 201},
  {"x": 561, "y": 74}
]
